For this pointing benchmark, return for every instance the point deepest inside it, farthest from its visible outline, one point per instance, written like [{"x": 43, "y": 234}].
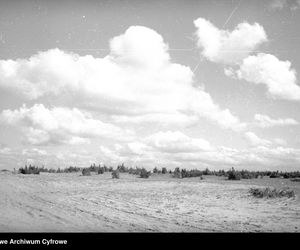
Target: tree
[{"x": 164, "y": 170}]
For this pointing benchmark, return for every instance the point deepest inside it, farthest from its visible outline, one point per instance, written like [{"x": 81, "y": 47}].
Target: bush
[
  {"x": 234, "y": 175},
  {"x": 115, "y": 174},
  {"x": 122, "y": 169},
  {"x": 271, "y": 193},
  {"x": 248, "y": 175},
  {"x": 164, "y": 171},
  {"x": 177, "y": 173},
  {"x": 101, "y": 170},
  {"x": 93, "y": 168},
  {"x": 296, "y": 179},
  {"x": 206, "y": 172},
  {"x": 144, "y": 173},
  {"x": 29, "y": 170},
  {"x": 71, "y": 169},
  {"x": 275, "y": 175},
  {"x": 86, "y": 172}
]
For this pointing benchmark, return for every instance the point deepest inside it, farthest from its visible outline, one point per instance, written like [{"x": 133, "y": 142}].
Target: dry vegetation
[
  {"x": 272, "y": 193},
  {"x": 231, "y": 174}
]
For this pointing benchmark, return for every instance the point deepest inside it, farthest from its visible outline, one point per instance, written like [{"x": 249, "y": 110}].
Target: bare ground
[{"x": 97, "y": 203}]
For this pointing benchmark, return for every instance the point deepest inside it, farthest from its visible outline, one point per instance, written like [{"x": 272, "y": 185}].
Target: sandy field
[{"x": 98, "y": 203}]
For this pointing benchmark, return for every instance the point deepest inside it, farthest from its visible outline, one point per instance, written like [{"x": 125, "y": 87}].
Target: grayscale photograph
[{"x": 149, "y": 116}]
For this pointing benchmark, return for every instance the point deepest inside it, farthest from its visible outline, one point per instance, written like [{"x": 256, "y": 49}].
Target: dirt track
[{"x": 73, "y": 203}]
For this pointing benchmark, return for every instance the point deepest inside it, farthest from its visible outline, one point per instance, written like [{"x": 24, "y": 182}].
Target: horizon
[{"x": 193, "y": 84}]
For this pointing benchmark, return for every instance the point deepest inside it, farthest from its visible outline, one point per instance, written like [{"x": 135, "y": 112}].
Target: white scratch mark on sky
[{"x": 232, "y": 12}]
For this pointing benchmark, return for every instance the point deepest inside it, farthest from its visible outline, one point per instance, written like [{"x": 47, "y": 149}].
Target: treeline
[
  {"x": 37, "y": 170},
  {"x": 141, "y": 172},
  {"x": 231, "y": 174}
]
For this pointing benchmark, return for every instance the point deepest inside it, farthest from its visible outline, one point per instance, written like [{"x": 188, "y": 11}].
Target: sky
[{"x": 189, "y": 84}]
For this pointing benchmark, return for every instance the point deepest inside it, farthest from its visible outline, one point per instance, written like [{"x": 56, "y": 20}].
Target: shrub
[
  {"x": 274, "y": 175},
  {"x": 93, "y": 168},
  {"x": 271, "y": 193},
  {"x": 105, "y": 168},
  {"x": 234, "y": 175},
  {"x": 296, "y": 179},
  {"x": 115, "y": 174},
  {"x": 122, "y": 169},
  {"x": 29, "y": 170},
  {"x": 101, "y": 170},
  {"x": 206, "y": 172},
  {"x": 164, "y": 171},
  {"x": 177, "y": 173},
  {"x": 71, "y": 169},
  {"x": 144, "y": 173},
  {"x": 247, "y": 174},
  {"x": 86, "y": 172},
  {"x": 22, "y": 171}
]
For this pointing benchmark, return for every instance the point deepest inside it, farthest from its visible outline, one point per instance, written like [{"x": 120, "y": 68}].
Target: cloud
[
  {"x": 228, "y": 47},
  {"x": 140, "y": 47},
  {"x": 149, "y": 152},
  {"x": 177, "y": 142},
  {"x": 5, "y": 150},
  {"x": 265, "y": 121},
  {"x": 280, "y": 142},
  {"x": 34, "y": 151},
  {"x": 235, "y": 49},
  {"x": 277, "y": 76},
  {"x": 137, "y": 78},
  {"x": 163, "y": 119},
  {"x": 254, "y": 140},
  {"x": 278, "y": 5},
  {"x": 59, "y": 125}
]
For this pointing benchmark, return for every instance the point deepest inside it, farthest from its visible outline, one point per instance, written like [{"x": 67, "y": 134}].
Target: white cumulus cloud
[
  {"x": 229, "y": 47},
  {"x": 254, "y": 140},
  {"x": 278, "y": 76},
  {"x": 136, "y": 78},
  {"x": 63, "y": 125},
  {"x": 265, "y": 121},
  {"x": 236, "y": 48},
  {"x": 176, "y": 141}
]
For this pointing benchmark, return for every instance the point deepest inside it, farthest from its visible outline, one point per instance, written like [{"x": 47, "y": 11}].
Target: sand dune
[{"x": 97, "y": 203}]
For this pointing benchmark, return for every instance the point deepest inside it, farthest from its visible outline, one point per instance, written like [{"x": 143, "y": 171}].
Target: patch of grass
[{"x": 272, "y": 193}]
